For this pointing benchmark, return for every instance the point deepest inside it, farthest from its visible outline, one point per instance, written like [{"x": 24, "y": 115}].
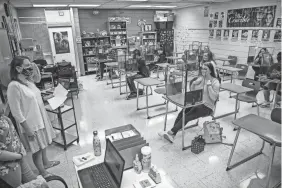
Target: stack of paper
[
  {"x": 60, "y": 95},
  {"x": 127, "y": 134}
]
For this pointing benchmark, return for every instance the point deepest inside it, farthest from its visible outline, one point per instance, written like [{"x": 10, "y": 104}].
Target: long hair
[
  {"x": 16, "y": 62},
  {"x": 265, "y": 49},
  {"x": 213, "y": 70}
]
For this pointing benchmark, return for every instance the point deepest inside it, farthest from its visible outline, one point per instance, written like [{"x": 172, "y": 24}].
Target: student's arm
[
  {"x": 9, "y": 156},
  {"x": 36, "y": 73},
  {"x": 213, "y": 90}
]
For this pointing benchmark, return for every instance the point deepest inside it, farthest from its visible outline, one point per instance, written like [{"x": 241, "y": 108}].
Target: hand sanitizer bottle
[
  {"x": 96, "y": 144},
  {"x": 137, "y": 165}
]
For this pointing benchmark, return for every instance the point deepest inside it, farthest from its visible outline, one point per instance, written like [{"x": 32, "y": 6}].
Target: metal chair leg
[
  {"x": 270, "y": 165},
  {"x": 183, "y": 125},
  {"x": 257, "y": 108},
  {"x": 166, "y": 110},
  {"x": 233, "y": 149}
]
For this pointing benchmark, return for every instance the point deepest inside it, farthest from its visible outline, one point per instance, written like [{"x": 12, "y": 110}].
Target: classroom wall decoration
[
  {"x": 220, "y": 23},
  {"x": 251, "y": 17},
  {"x": 222, "y": 15},
  {"x": 255, "y": 34},
  {"x": 211, "y": 33},
  {"x": 215, "y": 23},
  {"x": 210, "y": 24},
  {"x": 218, "y": 34},
  {"x": 277, "y": 35},
  {"x": 226, "y": 35},
  {"x": 278, "y": 23},
  {"x": 235, "y": 34},
  {"x": 244, "y": 34},
  {"x": 61, "y": 42},
  {"x": 216, "y": 15},
  {"x": 206, "y": 11},
  {"x": 265, "y": 35}
]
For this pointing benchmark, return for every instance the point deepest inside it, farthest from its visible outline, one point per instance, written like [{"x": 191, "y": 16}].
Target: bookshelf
[
  {"x": 118, "y": 34},
  {"x": 149, "y": 38},
  {"x": 93, "y": 49}
]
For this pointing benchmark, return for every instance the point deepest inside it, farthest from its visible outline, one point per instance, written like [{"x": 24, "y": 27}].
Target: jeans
[
  {"x": 130, "y": 82},
  {"x": 267, "y": 88},
  {"x": 21, "y": 175},
  {"x": 191, "y": 113}
]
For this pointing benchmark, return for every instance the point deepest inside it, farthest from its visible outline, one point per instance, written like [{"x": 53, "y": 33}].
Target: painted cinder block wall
[{"x": 193, "y": 17}]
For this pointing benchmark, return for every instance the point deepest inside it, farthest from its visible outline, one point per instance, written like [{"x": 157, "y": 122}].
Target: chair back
[
  {"x": 233, "y": 60},
  {"x": 243, "y": 72},
  {"x": 276, "y": 115},
  {"x": 64, "y": 70},
  {"x": 173, "y": 83},
  {"x": 65, "y": 82},
  {"x": 255, "y": 85}
]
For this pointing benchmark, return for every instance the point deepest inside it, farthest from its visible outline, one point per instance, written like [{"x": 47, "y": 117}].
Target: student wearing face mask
[
  {"x": 210, "y": 83},
  {"x": 26, "y": 104}
]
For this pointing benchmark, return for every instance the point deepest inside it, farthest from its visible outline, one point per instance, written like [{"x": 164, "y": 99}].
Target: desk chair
[
  {"x": 242, "y": 73},
  {"x": 48, "y": 179},
  {"x": 251, "y": 96}
]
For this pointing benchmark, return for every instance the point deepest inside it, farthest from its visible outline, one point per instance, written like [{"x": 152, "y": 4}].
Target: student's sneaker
[
  {"x": 132, "y": 95},
  {"x": 167, "y": 136},
  {"x": 265, "y": 104},
  {"x": 141, "y": 92}
]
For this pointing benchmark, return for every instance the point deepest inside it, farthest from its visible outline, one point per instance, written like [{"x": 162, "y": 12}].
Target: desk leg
[
  {"x": 183, "y": 127},
  {"x": 270, "y": 165},
  {"x": 275, "y": 97},
  {"x": 147, "y": 106},
  {"x": 236, "y": 106},
  {"x": 233, "y": 148},
  {"x": 166, "y": 109},
  {"x": 137, "y": 95},
  {"x": 158, "y": 72}
]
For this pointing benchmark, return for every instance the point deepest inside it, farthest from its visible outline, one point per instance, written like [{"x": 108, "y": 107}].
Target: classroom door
[{"x": 62, "y": 46}]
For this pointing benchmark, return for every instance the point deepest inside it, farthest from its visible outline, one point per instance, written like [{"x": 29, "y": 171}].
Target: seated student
[
  {"x": 14, "y": 169},
  {"x": 211, "y": 86},
  {"x": 143, "y": 72},
  {"x": 274, "y": 72},
  {"x": 262, "y": 62},
  {"x": 159, "y": 57}
]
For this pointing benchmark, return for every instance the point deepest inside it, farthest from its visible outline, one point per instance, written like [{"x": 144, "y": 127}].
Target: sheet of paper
[
  {"x": 55, "y": 102},
  {"x": 116, "y": 136},
  {"x": 60, "y": 91},
  {"x": 84, "y": 158},
  {"x": 127, "y": 134}
]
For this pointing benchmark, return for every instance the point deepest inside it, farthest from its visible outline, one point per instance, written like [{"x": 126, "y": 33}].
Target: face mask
[{"x": 27, "y": 71}]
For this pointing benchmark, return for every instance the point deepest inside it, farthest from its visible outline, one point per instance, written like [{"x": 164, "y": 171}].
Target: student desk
[
  {"x": 224, "y": 59},
  {"x": 232, "y": 70},
  {"x": 238, "y": 89},
  {"x": 129, "y": 176},
  {"x": 267, "y": 130},
  {"x": 111, "y": 65},
  {"x": 147, "y": 82}
]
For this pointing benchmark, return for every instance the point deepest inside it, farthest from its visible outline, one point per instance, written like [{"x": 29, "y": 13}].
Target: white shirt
[{"x": 25, "y": 103}]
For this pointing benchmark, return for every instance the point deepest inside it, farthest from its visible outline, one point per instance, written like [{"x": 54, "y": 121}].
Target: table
[
  {"x": 173, "y": 58},
  {"x": 129, "y": 176},
  {"x": 270, "y": 133},
  {"x": 224, "y": 59},
  {"x": 228, "y": 69},
  {"x": 147, "y": 82},
  {"x": 238, "y": 89},
  {"x": 163, "y": 65}
]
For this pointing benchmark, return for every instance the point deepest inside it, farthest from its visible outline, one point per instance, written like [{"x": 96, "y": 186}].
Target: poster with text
[
  {"x": 211, "y": 33},
  {"x": 61, "y": 42},
  {"x": 235, "y": 34},
  {"x": 251, "y": 17},
  {"x": 244, "y": 34},
  {"x": 255, "y": 34},
  {"x": 265, "y": 35},
  {"x": 226, "y": 35},
  {"x": 218, "y": 34},
  {"x": 277, "y": 36},
  {"x": 278, "y": 23}
]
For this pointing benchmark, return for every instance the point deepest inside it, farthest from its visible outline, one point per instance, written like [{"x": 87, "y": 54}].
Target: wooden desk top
[
  {"x": 227, "y": 68},
  {"x": 111, "y": 64},
  {"x": 178, "y": 100},
  {"x": 173, "y": 57},
  {"x": 223, "y": 59},
  {"x": 235, "y": 88},
  {"x": 265, "y": 128}
]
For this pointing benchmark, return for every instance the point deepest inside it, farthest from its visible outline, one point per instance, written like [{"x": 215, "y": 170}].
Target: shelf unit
[
  {"x": 93, "y": 49},
  {"x": 65, "y": 139},
  {"x": 149, "y": 38},
  {"x": 118, "y": 34}
]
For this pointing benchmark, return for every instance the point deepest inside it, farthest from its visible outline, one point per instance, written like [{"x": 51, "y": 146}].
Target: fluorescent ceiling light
[
  {"x": 83, "y": 5},
  {"x": 151, "y": 6},
  {"x": 49, "y": 5},
  {"x": 132, "y": 0}
]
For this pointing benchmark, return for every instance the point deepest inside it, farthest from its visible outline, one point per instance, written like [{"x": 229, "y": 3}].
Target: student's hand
[{"x": 31, "y": 134}]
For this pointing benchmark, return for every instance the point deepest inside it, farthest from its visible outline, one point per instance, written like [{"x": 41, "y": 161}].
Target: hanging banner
[{"x": 251, "y": 17}]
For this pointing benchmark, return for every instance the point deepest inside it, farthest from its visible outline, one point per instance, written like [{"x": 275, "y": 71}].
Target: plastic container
[
  {"x": 146, "y": 160},
  {"x": 137, "y": 166},
  {"x": 96, "y": 144}
]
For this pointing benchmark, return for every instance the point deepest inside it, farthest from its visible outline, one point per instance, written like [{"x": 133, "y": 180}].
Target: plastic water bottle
[{"x": 96, "y": 144}]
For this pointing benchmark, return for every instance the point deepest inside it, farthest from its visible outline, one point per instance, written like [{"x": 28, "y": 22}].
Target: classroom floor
[{"x": 100, "y": 107}]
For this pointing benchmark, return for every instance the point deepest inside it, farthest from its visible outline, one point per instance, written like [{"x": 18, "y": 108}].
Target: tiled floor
[{"x": 100, "y": 107}]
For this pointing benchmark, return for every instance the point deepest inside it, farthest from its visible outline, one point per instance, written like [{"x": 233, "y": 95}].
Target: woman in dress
[{"x": 28, "y": 109}]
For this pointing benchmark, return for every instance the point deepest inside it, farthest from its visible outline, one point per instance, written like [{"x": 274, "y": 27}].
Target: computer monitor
[{"x": 114, "y": 162}]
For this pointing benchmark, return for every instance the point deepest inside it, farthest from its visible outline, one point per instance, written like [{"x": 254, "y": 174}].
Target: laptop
[{"x": 104, "y": 175}]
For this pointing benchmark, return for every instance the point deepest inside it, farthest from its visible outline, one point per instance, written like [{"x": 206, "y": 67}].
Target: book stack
[{"x": 128, "y": 141}]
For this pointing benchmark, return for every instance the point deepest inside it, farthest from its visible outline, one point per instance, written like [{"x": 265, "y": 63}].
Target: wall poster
[
  {"x": 265, "y": 35},
  {"x": 226, "y": 35},
  {"x": 211, "y": 33},
  {"x": 244, "y": 34},
  {"x": 251, "y": 17},
  {"x": 61, "y": 42},
  {"x": 255, "y": 34},
  {"x": 235, "y": 34},
  {"x": 277, "y": 35}
]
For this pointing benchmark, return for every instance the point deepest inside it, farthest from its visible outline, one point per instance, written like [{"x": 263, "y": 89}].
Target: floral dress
[{"x": 9, "y": 141}]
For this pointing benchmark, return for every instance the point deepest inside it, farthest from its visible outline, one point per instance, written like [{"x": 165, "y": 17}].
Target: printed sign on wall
[
  {"x": 251, "y": 17},
  {"x": 61, "y": 42}
]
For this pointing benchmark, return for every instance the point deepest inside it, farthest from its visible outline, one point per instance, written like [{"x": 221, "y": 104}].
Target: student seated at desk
[
  {"x": 262, "y": 62},
  {"x": 143, "y": 72},
  {"x": 210, "y": 94},
  {"x": 274, "y": 72},
  {"x": 159, "y": 57}
]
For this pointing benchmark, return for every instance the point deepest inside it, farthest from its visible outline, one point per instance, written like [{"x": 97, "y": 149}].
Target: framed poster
[
  {"x": 235, "y": 34},
  {"x": 148, "y": 27},
  {"x": 206, "y": 11},
  {"x": 277, "y": 36},
  {"x": 211, "y": 33},
  {"x": 215, "y": 23},
  {"x": 255, "y": 34},
  {"x": 244, "y": 34},
  {"x": 222, "y": 15},
  {"x": 220, "y": 23},
  {"x": 218, "y": 34},
  {"x": 226, "y": 35},
  {"x": 216, "y": 15},
  {"x": 210, "y": 24},
  {"x": 61, "y": 42},
  {"x": 278, "y": 23},
  {"x": 265, "y": 35},
  {"x": 252, "y": 17}
]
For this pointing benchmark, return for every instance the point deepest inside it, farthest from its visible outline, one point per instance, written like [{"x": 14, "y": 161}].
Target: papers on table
[
  {"x": 121, "y": 135},
  {"x": 60, "y": 95},
  {"x": 84, "y": 158}
]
